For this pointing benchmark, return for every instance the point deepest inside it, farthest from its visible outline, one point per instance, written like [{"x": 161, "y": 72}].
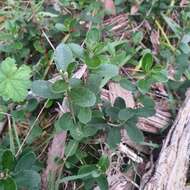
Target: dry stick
[
  {"x": 52, "y": 46},
  {"x": 169, "y": 173}
]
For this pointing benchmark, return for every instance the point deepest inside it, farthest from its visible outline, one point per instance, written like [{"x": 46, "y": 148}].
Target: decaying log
[{"x": 169, "y": 172}]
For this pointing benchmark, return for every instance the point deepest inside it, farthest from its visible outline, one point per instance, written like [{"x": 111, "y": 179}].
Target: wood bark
[{"x": 170, "y": 170}]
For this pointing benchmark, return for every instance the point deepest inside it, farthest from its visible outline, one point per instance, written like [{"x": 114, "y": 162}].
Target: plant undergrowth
[{"x": 42, "y": 47}]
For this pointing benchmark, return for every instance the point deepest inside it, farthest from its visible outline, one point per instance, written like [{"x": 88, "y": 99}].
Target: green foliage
[
  {"x": 19, "y": 173},
  {"x": 114, "y": 137},
  {"x": 152, "y": 73},
  {"x": 45, "y": 89},
  {"x": 91, "y": 174},
  {"x": 147, "y": 62},
  {"x": 103, "y": 163},
  {"x": 8, "y": 160},
  {"x": 82, "y": 97},
  {"x": 54, "y": 41},
  {"x": 63, "y": 56},
  {"x": 71, "y": 148},
  {"x": 85, "y": 115},
  {"x": 127, "y": 84},
  {"x": 59, "y": 86},
  {"x": 9, "y": 184},
  {"x": 28, "y": 179},
  {"x": 134, "y": 133},
  {"x": 14, "y": 82},
  {"x": 64, "y": 123}
]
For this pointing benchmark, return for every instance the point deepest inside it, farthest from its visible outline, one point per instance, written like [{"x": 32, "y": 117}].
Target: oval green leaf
[
  {"x": 63, "y": 56},
  {"x": 83, "y": 97}
]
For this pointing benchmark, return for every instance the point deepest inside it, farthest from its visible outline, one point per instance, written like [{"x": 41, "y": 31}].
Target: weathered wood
[{"x": 169, "y": 172}]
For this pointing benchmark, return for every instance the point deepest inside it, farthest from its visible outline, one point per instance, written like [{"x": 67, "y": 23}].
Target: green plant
[
  {"x": 42, "y": 47},
  {"x": 19, "y": 173},
  {"x": 15, "y": 82}
]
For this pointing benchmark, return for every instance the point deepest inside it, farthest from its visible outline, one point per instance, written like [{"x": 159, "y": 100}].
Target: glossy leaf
[{"x": 147, "y": 62}]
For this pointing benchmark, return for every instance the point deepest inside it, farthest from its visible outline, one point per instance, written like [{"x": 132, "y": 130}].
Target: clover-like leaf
[{"x": 14, "y": 82}]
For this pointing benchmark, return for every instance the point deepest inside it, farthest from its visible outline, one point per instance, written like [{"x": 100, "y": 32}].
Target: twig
[{"x": 47, "y": 38}]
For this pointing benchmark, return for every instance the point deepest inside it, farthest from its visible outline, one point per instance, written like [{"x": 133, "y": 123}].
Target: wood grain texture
[{"x": 169, "y": 173}]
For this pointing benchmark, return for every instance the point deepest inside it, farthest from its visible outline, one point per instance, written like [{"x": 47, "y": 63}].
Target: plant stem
[
  {"x": 165, "y": 36},
  {"x": 15, "y": 133},
  {"x": 12, "y": 146}
]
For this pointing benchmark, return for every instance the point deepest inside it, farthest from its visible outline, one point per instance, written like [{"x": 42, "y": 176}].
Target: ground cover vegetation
[{"x": 58, "y": 59}]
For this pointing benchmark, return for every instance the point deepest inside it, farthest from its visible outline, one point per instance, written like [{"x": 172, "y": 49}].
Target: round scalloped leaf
[{"x": 14, "y": 82}]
